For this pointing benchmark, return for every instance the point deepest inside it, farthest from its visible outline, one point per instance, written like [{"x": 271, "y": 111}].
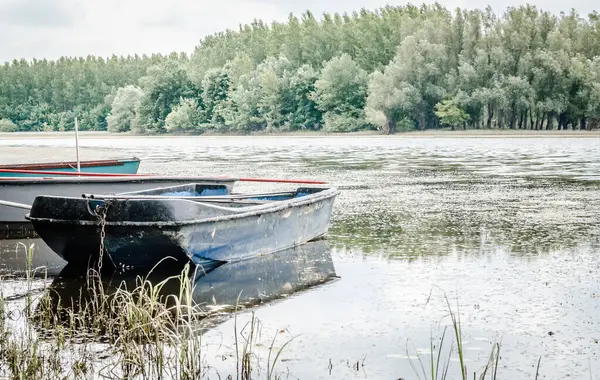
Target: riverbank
[{"x": 412, "y": 134}]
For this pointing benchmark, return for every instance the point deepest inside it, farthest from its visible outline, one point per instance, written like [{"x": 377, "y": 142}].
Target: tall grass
[
  {"x": 436, "y": 352},
  {"x": 144, "y": 332}
]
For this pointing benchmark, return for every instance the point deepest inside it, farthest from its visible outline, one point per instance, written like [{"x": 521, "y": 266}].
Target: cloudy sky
[{"x": 53, "y": 28}]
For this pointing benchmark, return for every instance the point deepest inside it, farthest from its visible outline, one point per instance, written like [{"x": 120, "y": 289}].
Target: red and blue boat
[{"x": 58, "y": 169}]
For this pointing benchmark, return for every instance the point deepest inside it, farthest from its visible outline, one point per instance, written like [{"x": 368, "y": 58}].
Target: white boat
[{"x": 22, "y": 191}]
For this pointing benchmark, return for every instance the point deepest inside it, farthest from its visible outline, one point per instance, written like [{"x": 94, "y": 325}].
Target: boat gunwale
[
  {"x": 196, "y": 199},
  {"x": 249, "y": 211},
  {"x": 115, "y": 178}
]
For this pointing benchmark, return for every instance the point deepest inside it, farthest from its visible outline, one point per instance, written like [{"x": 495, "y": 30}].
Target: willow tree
[
  {"x": 411, "y": 85},
  {"x": 125, "y": 107},
  {"x": 340, "y": 93}
]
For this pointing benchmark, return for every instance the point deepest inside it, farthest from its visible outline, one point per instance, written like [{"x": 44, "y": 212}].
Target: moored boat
[
  {"x": 120, "y": 166},
  {"x": 185, "y": 222},
  {"x": 24, "y": 190}
]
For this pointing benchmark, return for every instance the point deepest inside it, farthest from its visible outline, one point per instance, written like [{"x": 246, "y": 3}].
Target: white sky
[{"x": 54, "y": 28}]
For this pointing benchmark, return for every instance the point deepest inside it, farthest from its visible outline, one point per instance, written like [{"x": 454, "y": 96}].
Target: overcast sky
[{"x": 54, "y": 28}]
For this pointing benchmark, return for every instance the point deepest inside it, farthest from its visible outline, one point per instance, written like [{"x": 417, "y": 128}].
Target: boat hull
[
  {"x": 167, "y": 229},
  {"x": 25, "y": 190},
  {"x": 128, "y": 166}
]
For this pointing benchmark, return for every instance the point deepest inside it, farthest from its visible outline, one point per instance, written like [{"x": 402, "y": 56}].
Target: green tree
[
  {"x": 300, "y": 107},
  {"x": 522, "y": 68},
  {"x": 240, "y": 111},
  {"x": 8, "y": 126},
  {"x": 273, "y": 84},
  {"x": 340, "y": 94},
  {"x": 451, "y": 114},
  {"x": 215, "y": 88},
  {"x": 410, "y": 86},
  {"x": 163, "y": 86},
  {"x": 124, "y": 109},
  {"x": 184, "y": 117}
]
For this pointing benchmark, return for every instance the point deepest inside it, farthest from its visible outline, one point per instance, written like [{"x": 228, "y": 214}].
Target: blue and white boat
[{"x": 202, "y": 223}]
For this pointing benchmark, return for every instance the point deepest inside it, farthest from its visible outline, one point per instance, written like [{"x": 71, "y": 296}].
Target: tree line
[{"x": 392, "y": 69}]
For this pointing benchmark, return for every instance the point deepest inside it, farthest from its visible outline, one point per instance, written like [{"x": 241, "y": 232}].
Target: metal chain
[{"x": 101, "y": 212}]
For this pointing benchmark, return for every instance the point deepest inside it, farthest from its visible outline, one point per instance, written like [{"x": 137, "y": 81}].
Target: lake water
[{"x": 506, "y": 228}]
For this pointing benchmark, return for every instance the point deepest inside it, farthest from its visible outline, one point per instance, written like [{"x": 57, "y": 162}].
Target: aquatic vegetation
[
  {"x": 456, "y": 348},
  {"x": 142, "y": 333},
  {"x": 438, "y": 350}
]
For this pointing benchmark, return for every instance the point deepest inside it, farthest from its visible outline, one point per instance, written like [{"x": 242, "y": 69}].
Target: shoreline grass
[{"x": 139, "y": 333}]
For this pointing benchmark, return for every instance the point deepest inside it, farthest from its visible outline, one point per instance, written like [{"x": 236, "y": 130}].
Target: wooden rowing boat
[
  {"x": 24, "y": 190},
  {"x": 203, "y": 223},
  {"x": 53, "y": 169}
]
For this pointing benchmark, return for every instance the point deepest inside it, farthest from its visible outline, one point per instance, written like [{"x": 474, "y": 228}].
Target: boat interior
[
  {"x": 210, "y": 193},
  {"x": 186, "y": 190},
  {"x": 192, "y": 201}
]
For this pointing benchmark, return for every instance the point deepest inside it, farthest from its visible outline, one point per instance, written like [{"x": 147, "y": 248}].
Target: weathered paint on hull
[
  {"x": 256, "y": 235},
  {"x": 25, "y": 190},
  {"x": 220, "y": 239},
  {"x": 80, "y": 245},
  {"x": 225, "y": 241}
]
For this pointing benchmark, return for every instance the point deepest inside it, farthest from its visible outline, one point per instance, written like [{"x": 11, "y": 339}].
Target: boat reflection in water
[
  {"x": 14, "y": 249},
  {"x": 266, "y": 277},
  {"x": 244, "y": 283}
]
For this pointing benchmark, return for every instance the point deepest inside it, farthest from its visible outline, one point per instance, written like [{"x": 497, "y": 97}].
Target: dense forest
[{"x": 396, "y": 68}]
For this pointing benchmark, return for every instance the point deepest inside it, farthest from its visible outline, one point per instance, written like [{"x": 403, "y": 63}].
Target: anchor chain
[{"x": 101, "y": 213}]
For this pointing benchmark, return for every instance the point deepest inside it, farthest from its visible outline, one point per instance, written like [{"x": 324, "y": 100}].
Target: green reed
[
  {"x": 438, "y": 370},
  {"x": 138, "y": 333}
]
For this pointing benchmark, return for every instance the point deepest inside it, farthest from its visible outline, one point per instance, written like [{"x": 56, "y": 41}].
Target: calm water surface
[{"x": 508, "y": 229}]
